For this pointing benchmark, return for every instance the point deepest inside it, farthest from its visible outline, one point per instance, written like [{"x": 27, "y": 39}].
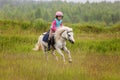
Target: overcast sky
[
  {"x": 91, "y": 0},
  {"x": 80, "y": 0}
]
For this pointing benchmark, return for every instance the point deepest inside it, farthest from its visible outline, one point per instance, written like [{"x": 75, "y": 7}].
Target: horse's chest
[{"x": 60, "y": 45}]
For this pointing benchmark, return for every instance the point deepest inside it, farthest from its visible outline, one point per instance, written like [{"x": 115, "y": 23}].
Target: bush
[
  {"x": 115, "y": 28},
  {"x": 90, "y": 28},
  {"x": 25, "y": 25},
  {"x": 86, "y": 28},
  {"x": 40, "y": 24}
]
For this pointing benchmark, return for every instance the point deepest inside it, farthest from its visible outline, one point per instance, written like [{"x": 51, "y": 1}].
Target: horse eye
[{"x": 68, "y": 35}]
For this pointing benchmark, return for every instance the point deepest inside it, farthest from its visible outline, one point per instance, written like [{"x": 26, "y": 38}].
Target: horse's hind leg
[
  {"x": 68, "y": 52},
  {"x": 53, "y": 53},
  {"x": 45, "y": 52}
]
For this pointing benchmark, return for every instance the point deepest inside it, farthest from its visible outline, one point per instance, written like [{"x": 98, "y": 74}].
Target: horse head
[{"x": 68, "y": 35}]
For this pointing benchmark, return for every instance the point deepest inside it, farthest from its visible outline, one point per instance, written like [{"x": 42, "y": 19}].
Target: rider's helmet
[{"x": 59, "y": 13}]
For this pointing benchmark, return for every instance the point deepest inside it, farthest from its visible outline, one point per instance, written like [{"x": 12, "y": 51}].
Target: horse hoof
[{"x": 70, "y": 61}]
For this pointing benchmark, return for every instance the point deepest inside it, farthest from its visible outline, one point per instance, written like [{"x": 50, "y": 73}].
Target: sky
[
  {"x": 91, "y": 0},
  {"x": 83, "y": 1}
]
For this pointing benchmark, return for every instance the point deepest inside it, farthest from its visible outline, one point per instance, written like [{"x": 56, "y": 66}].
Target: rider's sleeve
[{"x": 53, "y": 27}]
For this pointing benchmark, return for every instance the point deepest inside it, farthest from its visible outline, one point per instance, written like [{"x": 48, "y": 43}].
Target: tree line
[{"x": 29, "y": 10}]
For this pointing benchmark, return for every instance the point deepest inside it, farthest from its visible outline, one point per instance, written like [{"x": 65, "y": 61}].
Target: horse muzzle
[{"x": 71, "y": 41}]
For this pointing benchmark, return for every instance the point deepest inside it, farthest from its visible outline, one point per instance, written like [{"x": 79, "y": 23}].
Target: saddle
[{"x": 46, "y": 36}]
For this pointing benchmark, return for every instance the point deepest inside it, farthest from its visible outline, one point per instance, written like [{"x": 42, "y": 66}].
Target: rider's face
[{"x": 59, "y": 17}]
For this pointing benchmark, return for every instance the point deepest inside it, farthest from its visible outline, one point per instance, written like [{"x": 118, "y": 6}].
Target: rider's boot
[{"x": 49, "y": 42}]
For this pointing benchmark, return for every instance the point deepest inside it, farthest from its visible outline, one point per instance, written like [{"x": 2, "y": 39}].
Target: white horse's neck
[{"x": 59, "y": 32}]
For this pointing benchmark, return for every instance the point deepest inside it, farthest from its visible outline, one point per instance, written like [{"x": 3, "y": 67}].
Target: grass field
[{"x": 96, "y": 56}]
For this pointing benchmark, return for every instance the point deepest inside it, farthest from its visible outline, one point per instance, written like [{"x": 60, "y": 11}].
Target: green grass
[
  {"x": 34, "y": 67},
  {"x": 96, "y": 55}
]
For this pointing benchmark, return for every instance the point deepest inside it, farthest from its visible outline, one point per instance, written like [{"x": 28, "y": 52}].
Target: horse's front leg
[
  {"x": 60, "y": 52},
  {"x": 68, "y": 52}
]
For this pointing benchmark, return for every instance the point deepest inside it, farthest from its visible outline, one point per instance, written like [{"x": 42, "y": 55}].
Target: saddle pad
[{"x": 46, "y": 36}]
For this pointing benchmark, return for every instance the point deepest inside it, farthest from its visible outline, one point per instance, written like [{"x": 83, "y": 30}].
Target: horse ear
[{"x": 71, "y": 29}]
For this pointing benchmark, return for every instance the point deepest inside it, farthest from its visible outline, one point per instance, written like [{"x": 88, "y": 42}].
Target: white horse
[{"x": 61, "y": 35}]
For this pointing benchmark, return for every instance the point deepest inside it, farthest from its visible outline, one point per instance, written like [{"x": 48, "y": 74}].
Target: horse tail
[{"x": 38, "y": 45}]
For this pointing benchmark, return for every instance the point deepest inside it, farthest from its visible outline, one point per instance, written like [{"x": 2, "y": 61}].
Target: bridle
[{"x": 67, "y": 34}]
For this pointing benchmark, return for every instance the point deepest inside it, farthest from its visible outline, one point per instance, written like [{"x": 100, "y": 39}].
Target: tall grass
[
  {"x": 95, "y": 53},
  {"x": 21, "y": 37},
  {"x": 25, "y": 44},
  {"x": 98, "y": 46}
]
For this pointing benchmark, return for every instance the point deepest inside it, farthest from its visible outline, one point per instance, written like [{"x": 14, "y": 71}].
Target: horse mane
[{"x": 60, "y": 30}]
